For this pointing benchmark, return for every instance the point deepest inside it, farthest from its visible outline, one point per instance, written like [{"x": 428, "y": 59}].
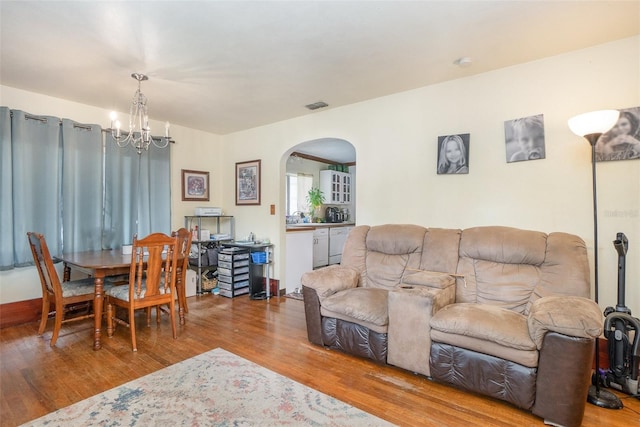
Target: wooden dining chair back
[
  {"x": 60, "y": 294},
  {"x": 184, "y": 248},
  {"x": 152, "y": 279}
]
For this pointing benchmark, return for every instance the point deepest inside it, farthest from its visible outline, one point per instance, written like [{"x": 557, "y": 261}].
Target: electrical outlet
[{"x": 273, "y": 209}]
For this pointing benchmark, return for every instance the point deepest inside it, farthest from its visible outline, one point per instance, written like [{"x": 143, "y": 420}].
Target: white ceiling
[{"x": 224, "y": 66}]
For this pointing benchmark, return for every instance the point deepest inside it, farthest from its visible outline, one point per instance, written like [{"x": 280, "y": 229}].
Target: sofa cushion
[
  {"x": 487, "y": 329},
  {"x": 501, "y": 266},
  {"x": 358, "y": 305},
  {"x": 511, "y": 268},
  {"x": 382, "y": 253}
]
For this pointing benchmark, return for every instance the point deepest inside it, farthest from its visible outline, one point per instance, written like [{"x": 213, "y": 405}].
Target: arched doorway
[{"x": 302, "y": 165}]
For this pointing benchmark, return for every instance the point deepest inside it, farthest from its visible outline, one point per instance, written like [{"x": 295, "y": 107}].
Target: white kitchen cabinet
[
  {"x": 337, "y": 238},
  {"x": 299, "y": 258},
  {"x": 320, "y": 247},
  {"x": 336, "y": 187}
]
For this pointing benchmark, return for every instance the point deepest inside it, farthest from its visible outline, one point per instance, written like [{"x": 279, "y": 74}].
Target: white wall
[{"x": 395, "y": 141}]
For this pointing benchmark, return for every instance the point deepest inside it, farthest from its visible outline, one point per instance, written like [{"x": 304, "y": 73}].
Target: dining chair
[
  {"x": 184, "y": 248},
  {"x": 152, "y": 278},
  {"x": 60, "y": 294}
]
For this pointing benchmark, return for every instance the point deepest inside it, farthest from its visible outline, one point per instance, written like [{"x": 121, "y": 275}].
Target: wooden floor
[{"x": 36, "y": 379}]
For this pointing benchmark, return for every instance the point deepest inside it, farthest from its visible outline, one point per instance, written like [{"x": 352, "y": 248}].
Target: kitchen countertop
[{"x": 313, "y": 225}]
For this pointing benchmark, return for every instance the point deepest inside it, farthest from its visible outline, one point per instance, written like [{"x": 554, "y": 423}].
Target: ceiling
[{"x": 225, "y": 66}]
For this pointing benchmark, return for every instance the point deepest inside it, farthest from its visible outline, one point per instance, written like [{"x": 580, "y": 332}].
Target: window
[{"x": 298, "y": 185}]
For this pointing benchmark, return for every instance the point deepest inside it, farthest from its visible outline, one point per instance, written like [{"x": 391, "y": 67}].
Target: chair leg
[
  {"x": 109, "y": 319},
  {"x": 181, "y": 314},
  {"x": 57, "y": 323},
  {"x": 46, "y": 304},
  {"x": 182, "y": 297},
  {"x": 132, "y": 326},
  {"x": 172, "y": 315}
]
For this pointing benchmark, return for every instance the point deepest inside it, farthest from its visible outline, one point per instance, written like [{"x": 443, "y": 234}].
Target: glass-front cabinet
[{"x": 336, "y": 187}]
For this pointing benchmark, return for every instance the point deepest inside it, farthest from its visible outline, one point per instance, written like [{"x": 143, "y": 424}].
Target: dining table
[{"x": 100, "y": 265}]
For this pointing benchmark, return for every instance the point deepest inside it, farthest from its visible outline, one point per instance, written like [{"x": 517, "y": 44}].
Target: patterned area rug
[{"x": 216, "y": 388}]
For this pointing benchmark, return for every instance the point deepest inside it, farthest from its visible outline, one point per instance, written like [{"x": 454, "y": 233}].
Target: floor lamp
[{"x": 591, "y": 126}]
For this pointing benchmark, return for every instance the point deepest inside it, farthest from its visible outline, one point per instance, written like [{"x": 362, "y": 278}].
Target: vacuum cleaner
[{"x": 619, "y": 326}]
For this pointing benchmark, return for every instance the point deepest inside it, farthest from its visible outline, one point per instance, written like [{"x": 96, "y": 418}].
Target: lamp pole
[
  {"x": 597, "y": 396},
  {"x": 591, "y": 126}
]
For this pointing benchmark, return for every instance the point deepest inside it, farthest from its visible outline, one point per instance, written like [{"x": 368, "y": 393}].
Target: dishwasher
[{"x": 337, "y": 237}]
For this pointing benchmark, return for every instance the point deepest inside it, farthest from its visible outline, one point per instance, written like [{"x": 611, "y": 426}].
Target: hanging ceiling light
[{"x": 139, "y": 135}]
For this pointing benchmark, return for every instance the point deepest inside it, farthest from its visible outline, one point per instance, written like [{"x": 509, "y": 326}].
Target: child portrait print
[
  {"x": 524, "y": 138},
  {"x": 453, "y": 154}
]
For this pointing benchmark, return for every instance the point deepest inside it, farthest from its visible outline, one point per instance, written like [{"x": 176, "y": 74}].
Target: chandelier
[{"x": 139, "y": 135}]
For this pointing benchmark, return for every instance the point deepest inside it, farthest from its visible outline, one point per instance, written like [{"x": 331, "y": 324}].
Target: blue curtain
[
  {"x": 6, "y": 184},
  {"x": 81, "y": 186},
  {"x": 155, "y": 192},
  {"x": 36, "y": 176},
  {"x": 121, "y": 183},
  {"x": 137, "y": 193}
]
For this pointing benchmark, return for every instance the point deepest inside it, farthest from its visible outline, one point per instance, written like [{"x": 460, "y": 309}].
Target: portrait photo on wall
[
  {"x": 453, "y": 154},
  {"x": 622, "y": 142},
  {"x": 524, "y": 138}
]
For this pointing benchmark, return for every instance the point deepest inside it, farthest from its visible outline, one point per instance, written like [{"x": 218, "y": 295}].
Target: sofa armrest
[
  {"x": 329, "y": 280},
  {"x": 432, "y": 279},
  {"x": 568, "y": 315}
]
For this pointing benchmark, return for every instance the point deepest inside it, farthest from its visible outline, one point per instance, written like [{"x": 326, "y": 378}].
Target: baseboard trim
[{"x": 17, "y": 313}]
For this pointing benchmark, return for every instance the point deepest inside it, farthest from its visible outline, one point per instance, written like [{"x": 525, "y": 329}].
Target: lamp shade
[{"x": 594, "y": 122}]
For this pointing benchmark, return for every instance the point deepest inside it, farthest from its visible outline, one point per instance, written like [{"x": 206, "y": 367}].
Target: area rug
[{"x": 216, "y": 388}]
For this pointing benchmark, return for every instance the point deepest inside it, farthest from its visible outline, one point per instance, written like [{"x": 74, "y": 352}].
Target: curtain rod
[{"x": 41, "y": 119}]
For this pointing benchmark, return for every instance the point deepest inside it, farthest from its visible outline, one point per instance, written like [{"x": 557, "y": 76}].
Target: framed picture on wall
[
  {"x": 453, "y": 154},
  {"x": 195, "y": 185},
  {"x": 248, "y": 183},
  {"x": 622, "y": 142},
  {"x": 524, "y": 138}
]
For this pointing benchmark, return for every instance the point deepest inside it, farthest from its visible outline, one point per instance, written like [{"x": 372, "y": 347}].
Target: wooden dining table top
[{"x": 105, "y": 259}]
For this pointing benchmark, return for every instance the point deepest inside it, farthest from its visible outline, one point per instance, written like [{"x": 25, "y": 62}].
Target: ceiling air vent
[{"x": 317, "y": 105}]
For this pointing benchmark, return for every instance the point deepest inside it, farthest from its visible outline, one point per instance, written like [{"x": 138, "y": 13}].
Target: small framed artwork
[
  {"x": 195, "y": 185},
  {"x": 248, "y": 183},
  {"x": 524, "y": 138},
  {"x": 453, "y": 154}
]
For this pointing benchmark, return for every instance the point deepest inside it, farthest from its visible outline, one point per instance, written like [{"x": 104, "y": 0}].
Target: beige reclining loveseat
[{"x": 495, "y": 310}]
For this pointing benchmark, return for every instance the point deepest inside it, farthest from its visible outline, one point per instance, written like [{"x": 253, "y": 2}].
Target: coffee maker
[{"x": 333, "y": 215}]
